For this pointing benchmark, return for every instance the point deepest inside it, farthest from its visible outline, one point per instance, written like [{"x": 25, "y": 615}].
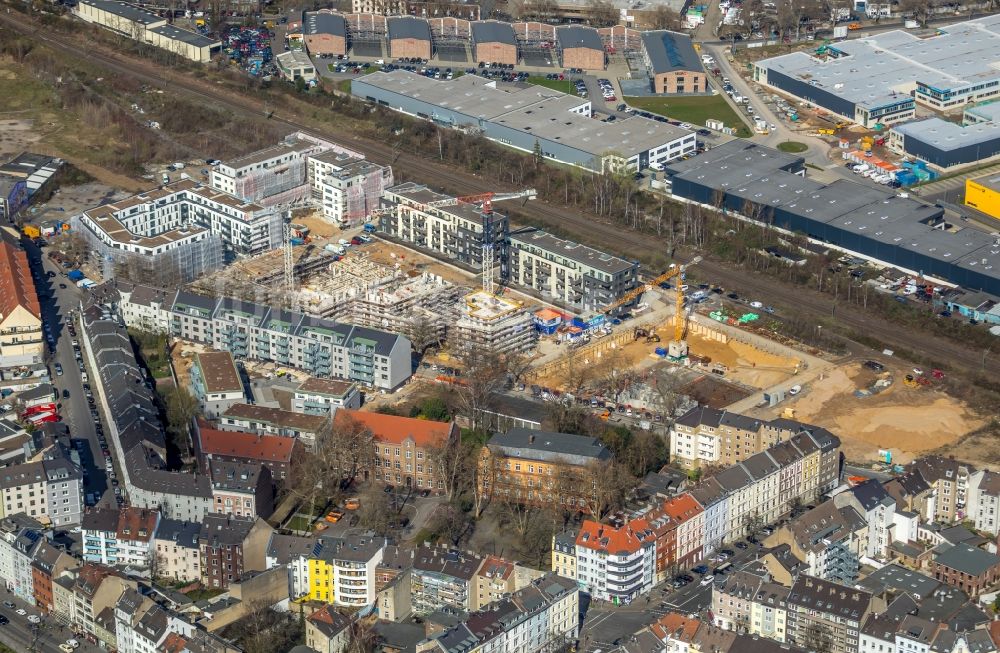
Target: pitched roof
[
  {"x": 396, "y": 429},
  {"x": 549, "y": 447},
  {"x": 674, "y": 625},
  {"x": 328, "y": 621},
  {"x": 829, "y": 597},
  {"x": 275, "y": 416},
  {"x": 239, "y": 444},
  {"x": 17, "y": 289},
  {"x": 967, "y": 559},
  {"x": 682, "y": 507},
  {"x": 870, "y": 494},
  {"x": 621, "y": 540}
]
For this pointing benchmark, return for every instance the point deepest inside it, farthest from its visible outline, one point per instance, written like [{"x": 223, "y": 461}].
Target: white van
[{"x": 656, "y": 165}]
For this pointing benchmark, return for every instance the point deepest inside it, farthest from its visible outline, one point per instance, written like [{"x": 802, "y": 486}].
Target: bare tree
[
  {"x": 663, "y": 17},
  {"x": 454, "y": 463},
  {"x": 376, "y": 512},
  {"x": 604, "y": 486},
  {"x": 485, "y": 375},
  {"x": 451, "y": 523},
  {"x": 488, "y": 469},
  {"x": 602, "y": 13},
  {"x": 348, "y": 443},
  {"x": 921, "y": 10}
]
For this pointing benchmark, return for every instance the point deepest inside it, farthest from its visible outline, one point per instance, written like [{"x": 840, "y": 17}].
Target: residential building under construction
[
  {"x": 494, "y": 323},
  {"x": 346, "y": 188}
]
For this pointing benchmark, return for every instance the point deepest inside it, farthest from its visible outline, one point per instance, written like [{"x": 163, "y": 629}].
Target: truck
[
  {"x": 911, "y": 24},
  {"x": 74, "y": 275}
]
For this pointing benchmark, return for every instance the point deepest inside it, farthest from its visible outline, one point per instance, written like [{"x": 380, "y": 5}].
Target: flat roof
[
  {"x": 882, "y": 69},
  {"x": 409, "y": 27},
  {"x": 323, "y": 22},
  {"x": 574, "y": 251},
  {"x": 948, "y": 136},
  {"x": 295, "y": 58},
  {"x": 126, "y": 11},
  {"x": 540, "y": 111},
  {"x": 268, "y": 153},
  {"x": 186, "y": 36},
  {"x": 985, "y": 111},
  {"x": 218, "y": 369},
  {"x": 669, "y": 51},
  {"x": 493, "y": 31},
  {"x": 576, "y": 36}
]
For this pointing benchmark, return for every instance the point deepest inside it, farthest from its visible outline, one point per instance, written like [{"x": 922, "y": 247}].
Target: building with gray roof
[
  {"x": 894, "y": 230},
  {"x": 580, "y": 276},
  {"x": 880, "y": 78},
  {"x": 546, "y": 446},
  {"x": 580, "y": 47},
  {"x": 529, "y": 119},
  {"x": 142, "y": 25},
  {"x": 672, "y": 63},
  {"x": 944, "y": 144},
  {"x": 966, "y": 567},
  {"x": 324, "y": 32},
  {"x": 896, "y": 579}
]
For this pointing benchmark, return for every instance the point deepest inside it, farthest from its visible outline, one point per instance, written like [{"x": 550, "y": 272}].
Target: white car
[
  {"x": 707, "y": 580},
  {"x": 34, "y": 618},
  {"x": 21, "y": 611},
  {"x": 756, "y": 305},
  {"x": 73, "y": 643}
]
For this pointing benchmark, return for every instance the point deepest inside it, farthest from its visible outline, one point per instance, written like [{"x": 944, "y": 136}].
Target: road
[
  {"x": 56, "y": 302},
  {"x": 20, "y": 635},
  {"x": 808, "y": 304}
]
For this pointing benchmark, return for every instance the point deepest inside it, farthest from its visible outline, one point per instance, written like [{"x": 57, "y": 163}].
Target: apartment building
[
  {"x": 984, "y": 501},
  {"x": 829, "y": 539},
  {"x": 443, "y": 579},
  {"x": 95, "y": 590},
  {"x": 949, "y": 480},
  {"x": 321, "y": 396},
  {"x": 48, "y": 562},
  {"x": 878, "y": 509},
  {"x": 278, "y": 453},
  {"x": 221, "y": 543},
  {"x": 322, "y": 348},
  {"x": 824, "y": 609},
  {"x": 274, "y": 175},
  {"x": 119, "y": 538},
  {"x": 50, "y": 490},
  {"x": 966, "y": 567},
  {"x": 252, "y": 418},
  {"x": 539, "y": 466},
  {"x": 616, "y": 564},
  {"x": 141, "y": 624},
  {"x": 341, "y": 570},
  {"x": 21, "y": 341},
  {"x": 406, "y": 449},
  {"x": 751, "y": 604},
  {"x": 177, "y": 555},
  {"x": 328, "y": 631},
  {"x": 216, "y": 382},
  {"x": 570, "y": 273},
  {"x": 347, "y": 188},
  {"x": 241, "y": 489},
  {"x": 439, "y": 223},
  {"x": 543, "y": 616},
  {"x": 19, "y": 539}
]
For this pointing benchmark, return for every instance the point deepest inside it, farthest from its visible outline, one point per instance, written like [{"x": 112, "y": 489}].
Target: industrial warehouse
[
  {"x": 142, "y": 25},
  {"x": 529, "y": 119},
  {"x": 879, "y": 79},
  {"x": 944, "y": 144},
  {"x": 769, "y": 186}
]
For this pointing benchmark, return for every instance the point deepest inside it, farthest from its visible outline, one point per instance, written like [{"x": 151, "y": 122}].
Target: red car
[{"x": 356, "y": 241}]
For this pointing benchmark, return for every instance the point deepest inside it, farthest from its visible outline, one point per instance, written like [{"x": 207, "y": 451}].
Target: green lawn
[
  {"x": 298, "y": 523},
  {"x": 793, "y": 147},
  {"x": 566, "y": 86},
  {"x": 693, "y": 109}
]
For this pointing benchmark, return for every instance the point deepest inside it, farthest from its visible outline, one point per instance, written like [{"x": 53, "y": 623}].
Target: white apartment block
[
  {"x": 569, "y": 272},
  {"x": 48, "y": 490},
  {"x": 185, "y": 226},
  {"x": 119, "y": 538},
  {"x": 984, "y": 501},
  {"x": 346, "y": 187},
  {"x": 615, "y": 564}
]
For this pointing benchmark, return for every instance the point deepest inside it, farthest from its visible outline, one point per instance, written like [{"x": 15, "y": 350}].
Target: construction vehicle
[
  {"x": 650, "y": 336},
  {"x": 826, "y": 132}
]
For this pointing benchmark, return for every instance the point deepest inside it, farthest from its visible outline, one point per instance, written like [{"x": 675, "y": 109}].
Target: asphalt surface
[
  {"x": 21, "y": 635},
  {"x": 56, "y": 303},
  {"x": 810, "y": 305}
]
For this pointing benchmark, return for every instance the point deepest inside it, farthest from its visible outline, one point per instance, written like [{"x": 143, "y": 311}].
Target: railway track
[{"x": 803, "y": 301}]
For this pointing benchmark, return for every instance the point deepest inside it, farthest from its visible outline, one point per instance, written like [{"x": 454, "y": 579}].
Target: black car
[
  {"x": 874, "y": 365},
  {"x": 741, "y": 545},
  {"x": 4, "y": 620},
  {"x": 728, "y": 552},
  {"x": 733, "y": 296}
]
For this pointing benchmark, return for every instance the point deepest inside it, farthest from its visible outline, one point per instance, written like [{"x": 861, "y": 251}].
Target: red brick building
[
  {"x": 581, "y": 47},
  {"x": 221, "y": 542},
  {"x": 276, "y": 452},
  {"x": 963, "y": 566},
  {"x": 494, "y": 42},
  {"x": 48, "y": 563},
  {"x": 409, "y": 37}
]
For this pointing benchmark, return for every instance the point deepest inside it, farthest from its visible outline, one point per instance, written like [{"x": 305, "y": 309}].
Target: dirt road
[{"x": 587, "y": 228}]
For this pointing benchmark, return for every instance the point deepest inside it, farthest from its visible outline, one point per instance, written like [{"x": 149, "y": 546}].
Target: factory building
[
  {"x": 142, "y": 25},
  {"x": 878, "y": 79},
  {"x": 494, "y": 42},
  {"x": 531, "y": 119},
  {"x": 571, "y": 273},
  {"x": 769, "y": 186},
  {"x": 944, "y": 144},
  {"x": 409, "y": 37},
  {"x": 984, "y": 195},
  {"x": 673, "y": 64},
  {"x": 581, "y": 47},
  {"x": 324, "y": 32}
]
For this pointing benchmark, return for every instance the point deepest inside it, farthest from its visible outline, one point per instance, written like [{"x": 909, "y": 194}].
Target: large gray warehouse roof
[
  {"x": 186, "y": 36},
  {"x": 324, "y": 22},
  {"x": 408, "y": 27},
  {"x": 669, "y": 51},
  {"x": 947, "y": 136},
  {"x": 127, "y": 12},
  {"x": 579, "y": 37},
  {"x": 492, "y": 31}
]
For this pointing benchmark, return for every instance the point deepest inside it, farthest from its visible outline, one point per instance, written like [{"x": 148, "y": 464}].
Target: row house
[
  {"x": 50, "y": 490},
  {"x": 897, "y": 631},
  {"x": 176, "y": 553},
  {"x": 821, "y": 610},
  {"x": 291, "y": 552},
  {"x": 216, "y": 382},
  {"x": 878, "y": 509},
  {"x": 949, "y": 480},
  {"x": 264, "y": 420},
  {"x": 678, "y": 527},
  {"x": 829, "y": 540},
  {"x": 984, "y": 501},
  {"x": 912, "y": 494},
  {"x": 242, "y": 489},
  {"x": 543, "y": 616},
  {"x": 341, "y": 570},
  {"x": 276, "y": 452},
  {"x": 328, "y": 631},
  {"x": 443, "y": 579},
  {"x": 48, "y": 562},
  {"x": 223, "y": 542},
  {"x": 119, "y": 538},
  {"x": 751, "y": 604},
  {"x": 616, "y": 564},
  {"x": 94, "y": 590},
  {"x": 966, "y": 567}
]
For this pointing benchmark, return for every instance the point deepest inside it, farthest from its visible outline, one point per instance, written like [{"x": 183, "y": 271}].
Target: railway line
[{"x": 803, "y": 301}]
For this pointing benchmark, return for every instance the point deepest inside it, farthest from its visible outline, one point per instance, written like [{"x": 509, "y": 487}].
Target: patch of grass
[
  {"x": 298, "y": 523},
  {"x": 693, "y": 109},
  {"x": 204, "y": 594},
  {"x": 565, "y": 85},
  {"x": 423, "y": 535},
  {"x": 792, "y": 147}
]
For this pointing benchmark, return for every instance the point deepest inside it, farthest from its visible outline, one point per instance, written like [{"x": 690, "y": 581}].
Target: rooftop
[
  {"x": 493, "y": 31},
  {"x": 126, "y": 11},
  {"x": 947, "y": 136},
  {"x": 219, "y": 371},
  {"x": 275, "y": 417},
  {"x": 329, "y": 387},
  {"x": 186, "y": 36},
  {"x": 396, "y": 429},
  {"x": 547, "y": 446},
  {"x": 536, "y": 239},
  {"x": 409, "y": 27},
  {"x": 967, "y": 559},
  {"x": 323, "y": 21},
  {"x": 670, "y": 51},
  {"x": 576, "y": 36}
]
